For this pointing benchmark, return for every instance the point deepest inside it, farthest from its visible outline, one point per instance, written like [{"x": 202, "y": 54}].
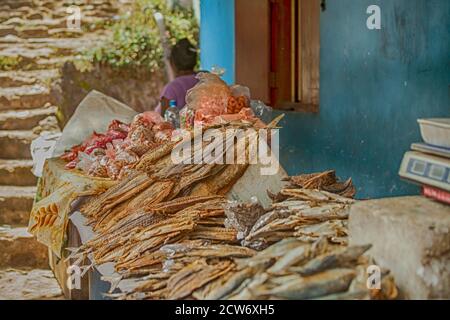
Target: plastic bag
[
  {"x": 208, "y": 98},
  {"x": 148, "y": 117},
  {"x": 186, "y": 117},
  {"x": 262, "y": 111},
  {"x": 240, "y": 91},
  {"x": 42, "y": 149},
  {"x": 85, "y": 161}
]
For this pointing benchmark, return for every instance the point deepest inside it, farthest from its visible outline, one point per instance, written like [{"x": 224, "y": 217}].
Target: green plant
[
  {"x": 135, "y": 41},
  {"x": 9, "y": 62}
]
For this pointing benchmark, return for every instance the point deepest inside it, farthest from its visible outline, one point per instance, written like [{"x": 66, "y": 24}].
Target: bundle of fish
[
  {"x": 169, "y": 231},
  {"x": 289, "y": 269},
  {"x": 130, "y": 241},
  {"x": 176, "y": 270},
  {"x": 161, "y": 203},
  {"x": 300, "y": 209},
  {"x": 326, "y": 181},
  {"x": 156, "y": 178}
]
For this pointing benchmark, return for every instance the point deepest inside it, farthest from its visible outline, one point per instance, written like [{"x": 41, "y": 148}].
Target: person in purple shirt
[{"x": 183, "y": 58}]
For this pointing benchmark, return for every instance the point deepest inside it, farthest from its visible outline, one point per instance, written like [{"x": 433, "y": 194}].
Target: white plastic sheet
[
  {"x": 94, "y": 113},
  {"x": 42, "y": 149}
]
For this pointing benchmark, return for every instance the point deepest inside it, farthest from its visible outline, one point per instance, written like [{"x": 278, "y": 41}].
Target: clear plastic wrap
[
  {"x": 84, "y": 161},
  {"x": 262, "y": 111},
  {"x": 148, "y": 117},
  {"x": 209, "y": 98},
  {"x": 186, "y": 117},
  {"x": 97, "y": 169}
]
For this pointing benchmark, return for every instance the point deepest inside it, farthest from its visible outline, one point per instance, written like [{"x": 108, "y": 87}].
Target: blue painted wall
[
  {"x": 217, "y": 36},
  {"x": 374, "y": 84}
]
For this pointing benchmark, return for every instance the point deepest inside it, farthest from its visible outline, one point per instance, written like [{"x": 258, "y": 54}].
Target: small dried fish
[
  {"x": 346, "y": 257},
  {"x": 324, "y": 283}
]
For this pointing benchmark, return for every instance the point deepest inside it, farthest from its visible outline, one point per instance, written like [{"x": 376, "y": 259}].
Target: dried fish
[
  {"x": 347, "y": 257},
  {"x": 326, "y": 181},
  {"x": 170, "y": 235},
  {"x": 325, "y": 283}
]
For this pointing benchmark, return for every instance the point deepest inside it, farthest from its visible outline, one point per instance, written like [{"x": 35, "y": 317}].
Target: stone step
[
  {"x": 6, "y": 30},
  {"x": 32, "y": 32},
  {"x": 24, "y": 119},
  {"x": 15, "y": 144},
  {"x": 87, "y": 2},
  {"x": 15, "y": 204},
  {"x": 20, "y": 249},
  {"x": 39, "y": 31},
  {"x": 50, "y": 23},
  {"x": 39, "y": 49},
  {"x": 14, "y": 80},
  {"x": 26, "y": 52},
  {"x": 43, "y": 63},
  {"x": 17, "y": 173},
  {"x": 24, "y": 97},
  {"x": 19, "y": 78},
  {"x": 65, "y": 33},
  {"x": 35, "y": 16},
  {"x": 5, "y": 15},
  {"x": 37, "y": 284},
  {"x": 11, "y": 39},
  {"x": 54, "y": 42},
  {"x": 17, "y": 4}
]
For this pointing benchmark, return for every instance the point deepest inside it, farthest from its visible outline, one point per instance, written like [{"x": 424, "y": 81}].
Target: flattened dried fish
[
  {"x": 325, "y": 283},
  {"x": 346, "y": 257}
]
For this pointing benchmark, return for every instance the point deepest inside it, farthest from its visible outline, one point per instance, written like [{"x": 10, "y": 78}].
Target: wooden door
[{"x": 252, "y": 46}]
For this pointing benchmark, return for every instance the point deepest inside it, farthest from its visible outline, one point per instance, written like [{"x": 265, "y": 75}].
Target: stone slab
[{"x": 410, "y": 236}]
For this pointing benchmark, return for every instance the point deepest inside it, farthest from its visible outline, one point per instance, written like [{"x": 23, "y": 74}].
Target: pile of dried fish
[
  {"x": 289, "y": 269},
  {"x": 160, "y": 203},
  {"x": 157, "y": 179},
  {"x": 326, "y": 181},
  {"x": 296, "y": 212},
  {"x": 293, "y": 269},
  {"x": 171, "y": 233},
  {"x": 130, "y": 241}
]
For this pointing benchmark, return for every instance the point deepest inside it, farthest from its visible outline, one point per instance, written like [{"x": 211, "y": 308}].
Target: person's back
[
  {"x": 183, "y": 59},
  {"x": 176, "y": 90}
]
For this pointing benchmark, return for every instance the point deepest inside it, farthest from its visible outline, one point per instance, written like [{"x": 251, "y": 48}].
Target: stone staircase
[{"x": 34, "y": 43}]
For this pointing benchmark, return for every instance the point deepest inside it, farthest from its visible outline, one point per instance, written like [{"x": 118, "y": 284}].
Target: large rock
[{"x": 410, "y": 236}]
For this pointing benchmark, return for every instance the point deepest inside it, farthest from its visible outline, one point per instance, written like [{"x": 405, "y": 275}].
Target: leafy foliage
[
  {"x": 136, "y": 40},
  {"x": 9, "y": 62}
]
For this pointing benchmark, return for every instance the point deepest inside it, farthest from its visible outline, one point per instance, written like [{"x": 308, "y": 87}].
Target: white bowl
[{"x": 435, "y": 131}]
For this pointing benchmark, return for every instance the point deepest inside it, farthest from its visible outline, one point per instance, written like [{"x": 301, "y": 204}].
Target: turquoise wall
[
  {"x": 374, "y": 84},
  {"x": 217, "y": 36}
]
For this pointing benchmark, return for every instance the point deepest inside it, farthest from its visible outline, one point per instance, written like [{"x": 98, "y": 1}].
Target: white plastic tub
[{"x": 435, "y": 131}]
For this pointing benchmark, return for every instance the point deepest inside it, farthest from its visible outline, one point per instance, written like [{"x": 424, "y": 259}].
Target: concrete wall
[
  {"x": 217, "y": 36},
  {"x": 374, "y": 84}
]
